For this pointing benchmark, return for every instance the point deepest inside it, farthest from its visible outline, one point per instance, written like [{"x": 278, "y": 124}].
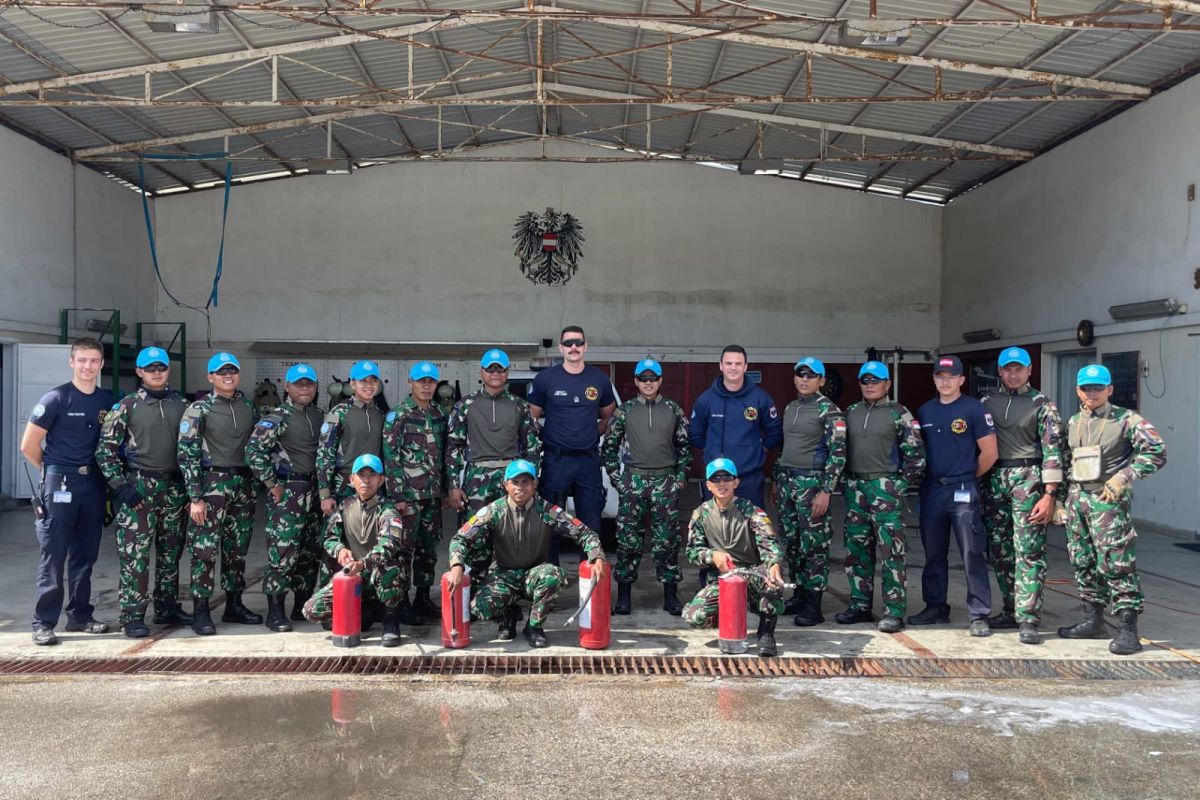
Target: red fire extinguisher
[
  {"x": 731, "y": 614},
  {"x": 456, "y": 612},
  {"x": 595, "y": 608},
  {"x": 347, "y": 609}
]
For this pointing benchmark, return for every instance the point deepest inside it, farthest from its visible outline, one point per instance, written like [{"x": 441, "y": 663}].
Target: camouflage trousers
[
  {"x": 293, "y": 539},
  {"x": 702, "y": 610},
  {"x": 504, "y": 587},
  {"x": 424, "y": 522},
  {"x": 805, "y": 540},
  {"x": 874, "y": 510},
  {"x": 1016, "y": 546},
  {"x": 226, "y": 532},
  {"x": 654, "y": 499},
  {"x": 160, "y": 522},
  {"x": 387, "y": 583},
  {"x": 1100, "y": 541}
]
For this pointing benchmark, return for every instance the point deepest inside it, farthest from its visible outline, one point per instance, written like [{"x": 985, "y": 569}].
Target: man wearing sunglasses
[
  {"x": 649, "y": 436},
  {"x": 1108, "y": 448},
  {"x": 574, "y": 402},
  {"x": 806, "y": 473},
  {"x": 885, "y": 456},
  {"x": 137, "y": 456},
  {"x": 212, "y": 456}
]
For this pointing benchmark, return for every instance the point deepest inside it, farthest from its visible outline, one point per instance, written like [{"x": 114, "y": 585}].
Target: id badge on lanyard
[{"x": 62, "y": 495}]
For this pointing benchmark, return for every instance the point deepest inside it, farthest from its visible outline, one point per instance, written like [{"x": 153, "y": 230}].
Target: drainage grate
[{"x": 603, "y": 665}]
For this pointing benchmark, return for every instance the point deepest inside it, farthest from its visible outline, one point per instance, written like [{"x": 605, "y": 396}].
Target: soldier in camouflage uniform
[
  {"x": 885, "y": 455},
  {"x": 136, "y": 454},
  {"x": 1109, "y": 447},
  {"x": 518, "y": 527},
  {"x": 282, "y": 454},
  {"x": 656, "y": 462},
  {"x": 212, "y": 456},
  {"x": 730, "y": 532},
  {"x": 1018, "y": 496},
  {"x": 350, "y": 430},
  {"x": 806, "y": 473},
  {"x": 486, "y": 431},
  {"x": 414, "y": 447},
  {"x": 366, "y": 537}
]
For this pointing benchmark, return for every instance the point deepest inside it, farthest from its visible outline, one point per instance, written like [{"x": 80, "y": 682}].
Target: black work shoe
[
  {"x": 1004, "y": 620},
  {"x": 277, "y": 620},
  {"x": 425, "y": 607},
  {"x": 535, "y": 636},
  {"x": 298, "y": 602},
  {"x": 1126, "y": 642},
  {"x": 811, "y": 613},
  {"x": 406, "y": 614},
  {"x": 391, "y": 629},
  {"x": 44, "y": 635},
  {"x": 202, "y": 623},
  {"x": 796, "y": 603},
  {"x": 852, "y": 615},
  {"x": 766, "y": 637},
  {"x": 671, "y": 603},
  {"x": 136, "y": 629},
  {"x": 237, "y": 613},
  {"x": 1029, "y": 633},
  {"x": 979, "y": 627},
  {"x": 890, "y": 624},
  {"x": 1090, "y": 627},
  {"x": 508, "y": 625},
  {"x": 931, "y": 615},
  {"x": 88, "y": 626},
  {"x": 176, "y": 617},
  {"x": 624, "y": 601}
]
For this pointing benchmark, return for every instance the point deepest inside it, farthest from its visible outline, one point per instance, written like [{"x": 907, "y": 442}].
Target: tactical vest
[
  {"x": 871, "y": 438},
  {"x": 1015, "y": 415},
  {"x": 152, "y": 428},
  {"x": 650, "y": 434},
  {"x": 227, "y": 427},
  {"x": 729, "y": 530},
  {"x": 804, "y": 445}
]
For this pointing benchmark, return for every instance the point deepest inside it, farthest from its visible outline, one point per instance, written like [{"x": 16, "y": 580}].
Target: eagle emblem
[{"x": 548, "y": 247}]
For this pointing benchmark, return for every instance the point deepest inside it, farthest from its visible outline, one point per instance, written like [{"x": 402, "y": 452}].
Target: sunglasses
[
  {"x": 573, "y": 342},
  {"x": 722, "y": 479},
  {"x": 496, "y": 369},
  {"x": 870, "y": 380},
  {"x": 808, "y": 376},
  {"x": 647, "y": 378},
  {"x": 154, "y": 368},
  {"x": 228, "y": 371}
]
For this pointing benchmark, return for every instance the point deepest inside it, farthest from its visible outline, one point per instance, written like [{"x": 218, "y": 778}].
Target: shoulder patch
[
  {"x": 773, "y": 413},
  {"x": 988, "y": 419},
  {"x": 391, "y": 416},
  {"x": 116, "y": 407},
  {"x": 184, "y": 426},
  {"x": 39, "y": 410},
  {"x": 266, "y": 423},
  {"x": 325, "y": 427}
]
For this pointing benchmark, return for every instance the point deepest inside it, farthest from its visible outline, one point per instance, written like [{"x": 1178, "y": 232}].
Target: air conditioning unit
[{"x": 1167, "y": 307}]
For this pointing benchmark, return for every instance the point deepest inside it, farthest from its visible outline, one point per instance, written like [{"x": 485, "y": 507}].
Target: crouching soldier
[
  {"x": 366, "y": 536},
  {"x": 517, "y": 530},
  {"x": 729, "y": 532}
]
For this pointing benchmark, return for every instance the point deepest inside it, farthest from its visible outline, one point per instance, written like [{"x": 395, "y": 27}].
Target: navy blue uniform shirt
[
  {"x": 72, "y": 422},
  {"x": 571, "y": 405},
  {"x": 950, "y": 431}
]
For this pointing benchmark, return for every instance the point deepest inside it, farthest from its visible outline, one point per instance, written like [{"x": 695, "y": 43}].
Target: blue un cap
[
  {"x": 153, "y": 355},
  {"x": 1014, "y": 355},
  {"x": 1094, "y": 375},
  {"x": 363, "y": 370},
  {"x": 494, "y": 356},
  {"x": 875, "y": 368},
  {"x": 301, "y": 372},
  {"x": 648, "y": 365},
  {"x": 422, "y": 370},
  {"x": 222, "y": 359},
  {"x": 519, "y": 467},
  {"x": 811, "y": 363},
  {"x": 720, "y": 465},
  {"x": 367, "y": 461}
]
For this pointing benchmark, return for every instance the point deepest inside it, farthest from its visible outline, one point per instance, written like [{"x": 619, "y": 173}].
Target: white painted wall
[{"x": 1100, "y": 221}]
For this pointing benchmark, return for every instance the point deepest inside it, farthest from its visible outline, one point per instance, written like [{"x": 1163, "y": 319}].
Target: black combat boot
[
  {"x": 508, "y": 624},
  {"x": 298, "y": 602},
  {"x": 136, "y": 628},
  {"x": 671, "y": 603},
  {"x": 1004, "y": 619},
  {"x": 1126, "y": 642},
  {"x": 405, "y": 613},
  {"x": 1029, "y": 633},
  {"x": 236, "y": 612},
  {"x": 811, "y": 613},
  {"x": 423, "y": 606},
  {"x": 202, "y": 622},
  {"x": 766, "y": 636},
  {"x": 172, "y": 616},
  {"x": 535, "y": 636},
  {"x": 852, "y": 615},
  {"x": 1090, "y": 627},
  {"x": 624, "y": 601},
  {"x": 276, "y": 618},
  {"x": 795, "y": 604},
  {"x": 391, "y": 628}
]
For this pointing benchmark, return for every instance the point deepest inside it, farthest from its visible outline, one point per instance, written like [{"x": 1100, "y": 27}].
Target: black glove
[{"x": 128, "y": 496}]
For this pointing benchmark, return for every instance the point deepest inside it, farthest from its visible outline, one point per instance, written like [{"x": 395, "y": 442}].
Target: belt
[
  {"x": 1019, "y": 462},
  {"x": 296, "y": 477},
  {"x": 166, "y": 474},
  {"x": 655, "y": 471},
  {"x": 243, "y": 471},
  {"x": 950, "y": 480},
  {"x": 870, "y": 476},
  {"x": 86, "y": 469},
  {"x": 560, "y": 451},
  {"x": 801, "y": 472},
  {"x": 492, "y": 463}
]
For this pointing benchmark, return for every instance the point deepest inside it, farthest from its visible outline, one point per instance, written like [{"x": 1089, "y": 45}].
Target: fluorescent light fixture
[
  {"x": 330, "y": 166},
  {"x": 1167, "y": 307},
  {"x": 179, "y": 19},
  {"x": 982, "y": 335},
  {"x": 761, "y": 166},
  {"x": 874, "y": 32}
]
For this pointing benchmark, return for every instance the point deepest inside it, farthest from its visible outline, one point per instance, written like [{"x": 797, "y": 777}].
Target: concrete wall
[{"x": 1100, "y": 221}]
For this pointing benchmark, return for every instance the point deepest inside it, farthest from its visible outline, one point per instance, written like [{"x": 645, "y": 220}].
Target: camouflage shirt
[
  {"x": 883, "y": 437},
  {"x": 743, "y": 530},
  {"x": 520, "y": 538},
  {"x": 500, "y": 426},
  {"x": 351, "y": 429},
  {"x": 414, "y": 446},
  {"x": 632, "y": 439},
  {"x": 278, "y": 448},
  {"x": 1129, "y": 445},
  {"x": 213, "y": 433},
  {"x": 814, "y": 437},
  {"x": 147, "y": 428},
  {"x": 373, "y": 531},
  {"x": 1028, "y": 425}
]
